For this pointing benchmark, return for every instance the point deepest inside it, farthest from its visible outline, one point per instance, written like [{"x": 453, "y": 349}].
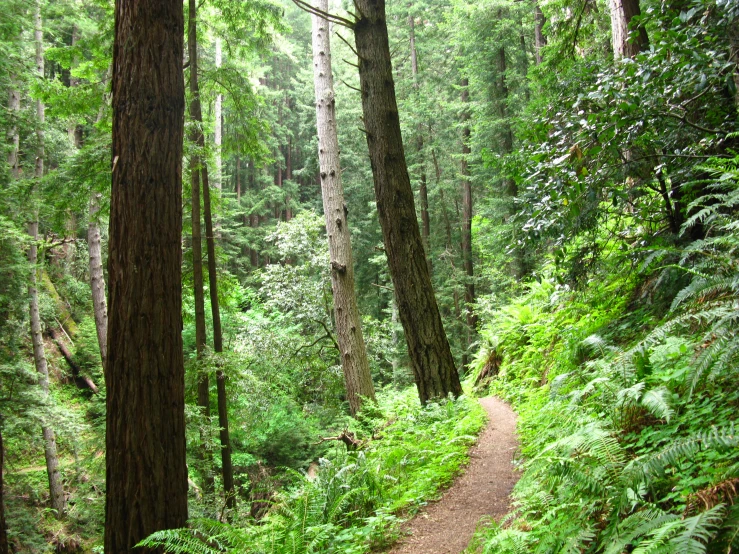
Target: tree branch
[{"x": 333, "y": 18}]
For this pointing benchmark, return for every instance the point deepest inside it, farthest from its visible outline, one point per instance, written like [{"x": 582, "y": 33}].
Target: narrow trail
[{"x": 446, "y": 526}]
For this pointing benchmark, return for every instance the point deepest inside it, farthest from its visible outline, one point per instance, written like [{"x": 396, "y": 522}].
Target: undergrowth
[
  {"x": 627, "y": 413},
  {"x": 357, "y": 500}
]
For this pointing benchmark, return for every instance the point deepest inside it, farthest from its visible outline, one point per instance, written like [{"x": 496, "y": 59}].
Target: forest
[{"x": 260, "y": 259}]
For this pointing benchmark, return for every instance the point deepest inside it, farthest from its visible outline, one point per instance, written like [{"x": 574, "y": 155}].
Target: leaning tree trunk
[
  {"x": 56, "y": 492},
  {"x": 622, "y": 12},
  {"x": 197, "y": 116},
  {"x": 353, "y": 353},
  {"x": 428, "y": 347},
  {"x": 146, "y": 471},
  {"x": 197, "y": 240}
]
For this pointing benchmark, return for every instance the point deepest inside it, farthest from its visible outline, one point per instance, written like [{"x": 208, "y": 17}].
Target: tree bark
[
  {"x": 428, "y": 347},
  {"x": 540, "y": 38},
  {"x": 218, "y": 139},
  {"x": 14, "y": 108},
  {"x": 97, "y": 278},
  {"x": 56, "y": 491},
  {"x": 423, "y": 194},
  {"x": 146, "y": 472},
  {"x": 467, "y": 260},
  {"x": 348, "y": 322},
  {"x": 197, "y": 240},
  {"x": 227, "y": 466},
  {"x": 622, "y": 12},
  {"x": 4, "y": 547}
]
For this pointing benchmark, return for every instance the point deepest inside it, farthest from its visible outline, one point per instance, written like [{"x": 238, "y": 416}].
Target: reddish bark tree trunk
[
  {"x": 626, "y": 43},
  {"x": 146, "y": 473}
]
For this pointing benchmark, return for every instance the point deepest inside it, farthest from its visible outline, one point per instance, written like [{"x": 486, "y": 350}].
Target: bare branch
[{"x": 333, "y": 18}]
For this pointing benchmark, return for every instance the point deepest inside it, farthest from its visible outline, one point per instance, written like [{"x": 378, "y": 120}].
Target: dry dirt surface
[{"x": 446, "y": 526}]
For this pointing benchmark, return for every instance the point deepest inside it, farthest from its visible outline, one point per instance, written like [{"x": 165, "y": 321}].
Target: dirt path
[{"x": 446, "y": 526}]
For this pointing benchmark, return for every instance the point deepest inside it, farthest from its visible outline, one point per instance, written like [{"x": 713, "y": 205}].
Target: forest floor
[{"x": 482, "y": 491}]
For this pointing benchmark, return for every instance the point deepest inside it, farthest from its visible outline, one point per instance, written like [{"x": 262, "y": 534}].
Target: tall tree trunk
[
  {"x": 4, "y": 548},
  {"x": 218, "y": 139},
  {"x": 197, "y": 117},
  {"x": 622, "y": 12},
  {"x": 289, "y": 177},
  {"x": 97, "y": 278},
  {"x": 146, "y": 472},
  {"x": 56, "y": 492},
  {"x": 348, "y": 322},
  {"x": 253, "y": 217},
  {"x": 428, "y": 347},
  {"x": 14, "y": 108},
  {"x": 197, "y": 240},
  {"x": 540, "y": 38},
  {"x": 467, "y": 260},
  {"x": 423, "y": 194}
]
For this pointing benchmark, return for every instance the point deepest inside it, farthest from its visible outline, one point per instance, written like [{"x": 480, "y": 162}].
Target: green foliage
[
  {"x": 355, "y": 502},
  {"x": 632, "y": 447}
]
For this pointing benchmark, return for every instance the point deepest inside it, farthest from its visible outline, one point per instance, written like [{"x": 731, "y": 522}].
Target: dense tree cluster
[{"x": 377, "y": 187}]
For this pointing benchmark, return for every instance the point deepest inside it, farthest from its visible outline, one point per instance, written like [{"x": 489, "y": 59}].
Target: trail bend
[{"x": 446, "y": 526}]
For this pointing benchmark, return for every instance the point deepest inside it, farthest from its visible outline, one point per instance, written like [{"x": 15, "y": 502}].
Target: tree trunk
[
  {"x": 197, "y": 241},
  {"x": 197, "y": 117},
  {"x": 467, "y": 260},
  {"x": 540, "y": 38},
  {"x": 97, "y": 278},
  {"x": 622, "y": 11},
  {"x": 146, "y": 472},
  {"x": 218, "y": 139},
  {"x": 4, "y": 547},
  {"x": 348, "y": 322},
  {"x": 428, "y": 347},
  {"x": 56, "y": 492},
  {"x": 423, "y": 194},
  {"x": 289, "y": 177},
  {"x": 14, "y": 108}
]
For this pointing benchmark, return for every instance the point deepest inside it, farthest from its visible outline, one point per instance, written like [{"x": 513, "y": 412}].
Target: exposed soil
[{"x": 446, "y": 526}]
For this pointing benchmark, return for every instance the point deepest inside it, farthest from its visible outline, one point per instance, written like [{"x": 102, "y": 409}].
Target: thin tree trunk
[
  {"x": 97, "y": 278},
  {"x": 540, "y": 38},
  {"x": 253, "y": 217},
  {"x": 348, "y": 322},
  {"x": 622, "y": 12},
  {"x": 56, "y": 492},
  {"x": 289, "y": 177},
  {"x": 4, "y": 547},
  {"x": 428, "y": 347},
  {"x": 423, "y": 194},
  {"x": 218, "y": 139},
  {"x": 197, "y": 116},
  {"x": 467, "y": 260},
  {"x": 14, "y": 107},
  {"x": 146, "y": 471},
  {"x": 197, "y": 241}
]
